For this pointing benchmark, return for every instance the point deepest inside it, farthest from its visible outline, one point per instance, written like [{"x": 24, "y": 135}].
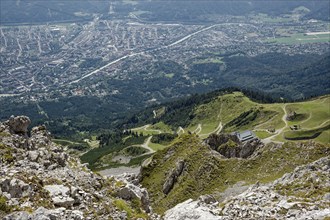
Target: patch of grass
[
  {"x": 301, "y": 38},
  {"x": 122, "y": 206},
  {"x": 79, "y": 146},
  {"x": 146, "y": 130},
  {"x": 169, "y": 75},
  {"x": 138, "y": 160},
  {"x": 324, "y": 137},
  {"x": 134, "y": 151},
  {"x": 3, "y": 205},
  {"x": 156, "y": 147},
  {"x": 133, "y": 212},
  {"x": 262, "y": 134},
  {"x": 230, "y": 109},
  {"x": 318, "y": 109},
  {"x": 6, "y": 153},
  {"x": 305, "y": 134},
  {"x": 4, "y": 134},
  {"x": 161, "y": 126}
]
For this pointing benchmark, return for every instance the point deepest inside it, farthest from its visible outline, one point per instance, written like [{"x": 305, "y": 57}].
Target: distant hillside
[
  {"x": 185, "y": 11},
  {"x": 15, "y": 12}
]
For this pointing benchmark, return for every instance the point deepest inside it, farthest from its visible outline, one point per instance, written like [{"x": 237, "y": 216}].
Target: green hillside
[
  {"x": 216, "y": 112},
  {"x": 207, "y": 173},
  {"x": 236, "y": 112}
]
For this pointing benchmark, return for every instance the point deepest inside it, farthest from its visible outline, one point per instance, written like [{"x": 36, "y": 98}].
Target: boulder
[
  {"x": 40, "y": 130},
  {"x": 18, "y": 216},
  {"x": 19, "y": 124},
  {"x": 190, "y": 210},
  {"x": 207, "y": 199},
  {"x": 60, "y": 158},
  {"x": 57, "y": 190},
  {"x": 63, "y": 201},
  {"x": 33, "y": 156},
  {"x": 15, "y": 187},
  {"x": 77, "y": 215},
  {"x": 60, "y": 195}
]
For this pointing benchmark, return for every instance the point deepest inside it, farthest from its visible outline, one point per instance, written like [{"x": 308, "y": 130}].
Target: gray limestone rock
[
  {"x": 190, "y": 210},
  {"x": 63, "y": 201},
  {"x": 172, "y": 177},
  {"x": 33, "y": 155},
  {"x": 15, "y": 187},
  {"x": 18, "y": 216},
  {"x": 57, "y": 190},
  {"x": 208, "y": 199},
  {"x": 19, "y": 124}
]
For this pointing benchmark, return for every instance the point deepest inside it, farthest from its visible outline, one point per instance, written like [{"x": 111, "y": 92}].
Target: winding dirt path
[
  {"x": 145, "y": 128},
  {"x": 146, "y": 145},
  {"x": 279, "y": 131},
  {"x": 215, "y": 131},
  {"x": 198, "y": 129},
  {"x": 180, "y": 130}
]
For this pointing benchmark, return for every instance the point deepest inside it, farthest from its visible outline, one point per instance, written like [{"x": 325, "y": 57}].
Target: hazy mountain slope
[
  {"x": 57, "y": 11},
  {"x": 276, "y": 76},
  {"x": 185, "y": 11}
]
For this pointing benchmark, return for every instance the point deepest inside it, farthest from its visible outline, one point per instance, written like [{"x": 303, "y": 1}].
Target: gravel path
[{"x": 119, "y": 171}]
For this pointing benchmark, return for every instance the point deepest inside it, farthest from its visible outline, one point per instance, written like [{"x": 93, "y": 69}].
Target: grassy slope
[
  {"x": 314, "y": 117},
  {"x": 228, "y": 107},
  {"x": 205, "y": 173}
]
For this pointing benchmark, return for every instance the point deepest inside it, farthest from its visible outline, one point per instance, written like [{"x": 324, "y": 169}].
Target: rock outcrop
[
  {"x": 243, "y": 150},
  {"x": 18, "y": 125},
  {"x": 193, "y": 210},
  {"x": 131, "y": 190},
  {"x": 39, "y": 180},
  {"x": 173, "y": 176},
  {"x": 229, "y": 146}
]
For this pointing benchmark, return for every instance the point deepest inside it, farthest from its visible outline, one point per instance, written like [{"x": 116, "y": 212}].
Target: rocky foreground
[{"x": 38, "y": 180}]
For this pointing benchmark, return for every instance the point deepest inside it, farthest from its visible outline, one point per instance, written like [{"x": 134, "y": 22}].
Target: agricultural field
[{"x": 301, "y": 38}]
